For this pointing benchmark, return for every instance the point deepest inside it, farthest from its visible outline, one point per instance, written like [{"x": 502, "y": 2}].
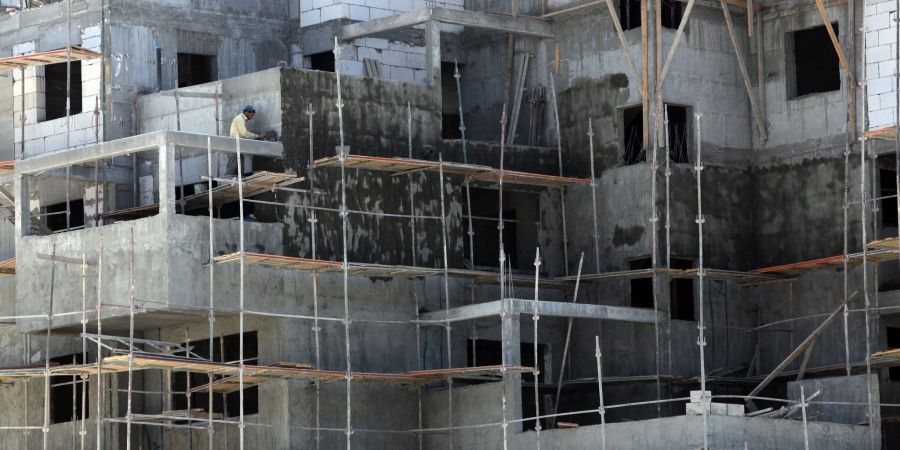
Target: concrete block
[
  {"x": 401, "y": 5},
  {"x": 393, "y": 58},
  {"x": 381, "y": 44},
  {"x": 334, "y": 12},
  {"x": 878, "y": 21},
  {"x": 93, "y": 43},
  {"x": 697, "y": 396},
  {"x": 880, "y": 85},
  {"x": 368, "y": 52},
  {"x": 24, "y": 47},
  {"x": 735, "y": 409},
  {"x": 90, "y": 32},
  {"x": 311, "y": 17},
  {"x": 415, "y": 61},
  {"x": 886, "y": 69},
  {"x": 887, "y": 100},
  {"x": 884, "y": 8},
  {"x": 420, "y": 76},
  {"x": 881, "y": 118},
  {"x": 878, "y": 54},
  {"x": 378, "y": 13},
  {"x": 355, "y": 68},
  {"x": 886, "y": 36},
  {"x": 383, "y": 4},
  {"x": 871, "y": 39},
  {"x": 872, "y": 70},
  {"x": 404, "y": 74},
  {"x": 318, "y": 4},
  {"x": 357, "y": 12}
]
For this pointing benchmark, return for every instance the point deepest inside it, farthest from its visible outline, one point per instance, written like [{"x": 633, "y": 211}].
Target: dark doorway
[
  {"x": 893, "y": 341},
  {"x": 322, "y": 61},
  {"x": 888, "y": 189},
  {"x": 678, "y": 130},
  {"x": 681, "y": 292},
  {"x": 450, "y": 110},
  {"x": 67, "y": 392},
  {"x": 225, "y": 350},
  {"x": 630, "y": 13},
  {"x": 633, "y": 128},
  {"x": 55, "y": 93},
  {"x": 196, "y": 69}
]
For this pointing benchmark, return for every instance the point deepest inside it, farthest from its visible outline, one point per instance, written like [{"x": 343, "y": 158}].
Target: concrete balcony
[{"x": 169, "y": 250}]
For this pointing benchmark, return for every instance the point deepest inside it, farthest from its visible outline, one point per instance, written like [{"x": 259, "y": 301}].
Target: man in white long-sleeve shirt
[{"x": 239, "y": 130}]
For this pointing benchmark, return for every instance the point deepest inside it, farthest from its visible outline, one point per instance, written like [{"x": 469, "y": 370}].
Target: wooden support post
[
  {"x": 624, "y": 42},
  {"x": 645, "y": 75},
  {"x": 760, "y": 121},
  {"x": 845, "y": 64},
  {"x": 807, "y": 343}
]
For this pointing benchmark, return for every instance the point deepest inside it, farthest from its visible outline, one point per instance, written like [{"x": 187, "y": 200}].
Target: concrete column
[
  {"x": 510, "y": 332},
  {"x": 23, "y": 207},
  {"x": 433, "y": 62},
  {"x": 167, "y": 179}
]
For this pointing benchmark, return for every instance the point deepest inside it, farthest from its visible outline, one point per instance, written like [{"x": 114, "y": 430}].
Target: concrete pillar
[
  {"x": 433, "y": 62},
  {"x": 167, "y": 179},
  {"x": 510, "y": 332},
  {"x": 23, "y": 206}
]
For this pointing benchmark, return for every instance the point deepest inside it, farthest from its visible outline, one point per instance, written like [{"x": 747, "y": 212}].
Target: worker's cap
[{"x": 250, "y": 109}]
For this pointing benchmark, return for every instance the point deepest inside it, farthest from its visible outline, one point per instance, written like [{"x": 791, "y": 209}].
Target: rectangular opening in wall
[
  {"x": 226, "y": 349},
  {"x": 55, "y": 90},
  {"x": 521, "y": 219},
  {"x": 55, "y": 215},
  {"x": 888, "y": 189},
  {"x": 893, "y": 341},
  {"x": 196, "y": 69},
  {"x": 678, "y": 129},
  {"x": 641, "y": 288},
  {"x": 67, "y": 393},
  {"x": 633, "y": 135},
  {"x": 486, "y": 352},
  {"x": 630, "y": 13},
  {"x": 322, "y": 61},
  {"x": 450, "y": 109},
  {"x": 681, "y": 292},
  {"x": 813, "y": 62}
]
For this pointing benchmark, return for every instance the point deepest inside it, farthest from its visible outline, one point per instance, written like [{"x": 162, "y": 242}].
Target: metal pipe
[
  {"x": 130, "y": 346},
  {"x": 602, "y": 408},
  {"x": 562, "y": 364},
  {"x": 536, "y": 370},
  {"x": 562, "y": 189},
  {"x": 701, "y": 340},
  {"x": 446, "y": 293},
  {"x": 211, "y": 315}
]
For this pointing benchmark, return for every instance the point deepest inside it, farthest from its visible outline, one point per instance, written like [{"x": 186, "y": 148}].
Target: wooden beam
[
  {"x": 571, "y": 9},
  {"x": 807, "y": 343},
  {"x": 645, "y": 75},
  {"x": 678, "y": 34},
  {"x": 743, "y": 5},
  {"x": 834, "y": 39},
  {"x": 623, "y": 41},
  {"x": 760, "y": 121}
]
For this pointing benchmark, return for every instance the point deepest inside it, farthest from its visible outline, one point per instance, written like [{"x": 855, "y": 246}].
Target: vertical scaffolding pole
[
  {"x": 446, "y": 297},
  {"x": 68, "y": 105},
  {"x": 84, "y": 356},
  {"x": 602, "y": 409},
  {"x": 345, "y": 263},
  {"x": 562, "y": 363},
  {"x": 462, "y": 132},
  {"x": 803, "y": 410},
  {"x": 412, "y": 199},
  {"x": 211, "y": 315},
  {"x": 240, "y": 183},
  {"x": 865, "y": 281},
  {"x": 99, "y": 418},
  {"x": 128, "y": 413},
  {"x": 313, "y": 222},
  {"x": 46, "y": 428},
  {"x": 535, "y": 371},
  {"x": 419, "y": 365},
  {"x": 594, "y": 198},
  {"x": 562, "y": 189},
  {"x": 701, "y": 276},
  {"x": 503, "y": 301}
]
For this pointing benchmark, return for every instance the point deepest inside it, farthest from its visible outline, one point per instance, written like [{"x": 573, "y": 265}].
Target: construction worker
[
  {"x": 239, "y": 124},
  {"x": 239, "y": 130}
]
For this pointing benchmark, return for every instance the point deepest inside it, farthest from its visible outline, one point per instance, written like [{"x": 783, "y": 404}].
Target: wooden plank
[
  {"x": 760, "y": 121},
  {"x": 807, "y": 343},
  {"x": 571, "y": 9},
  {"x": 834, "y": 39},
  {"x": 45, "y": 58},
  {"x": 626, "y": 50}
]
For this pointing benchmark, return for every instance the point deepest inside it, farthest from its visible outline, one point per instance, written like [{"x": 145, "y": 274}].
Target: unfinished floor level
[{"x": 526, "y": 224}]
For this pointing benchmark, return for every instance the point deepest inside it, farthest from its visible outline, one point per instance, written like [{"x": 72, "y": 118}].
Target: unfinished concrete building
[{"x": 494, "y": 224}]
